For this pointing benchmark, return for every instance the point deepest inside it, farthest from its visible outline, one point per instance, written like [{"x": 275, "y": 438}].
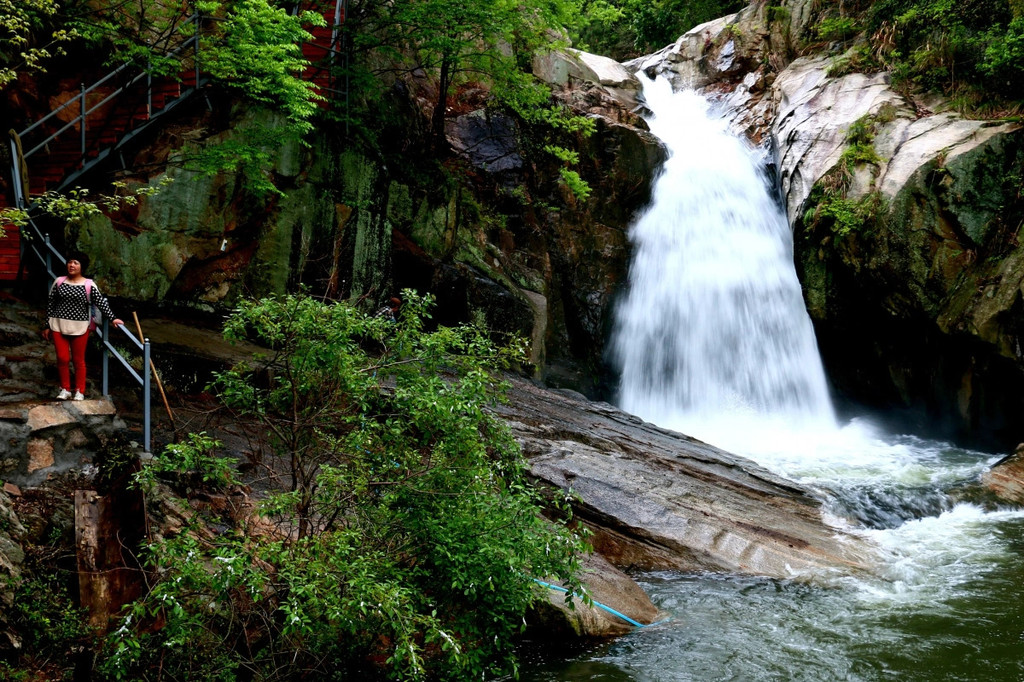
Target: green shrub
[
  {"x": 408, "y": 532},
  {"x": 842, "y": 216},
  {"x": 52, "y": 628},
  {"x": 830, "y": 207},
  {"x": 838, "y": 28},
  {"x": 1004, "y": 59},
  {"x": 950, "y": 46},
  {"x": 777, "y": 13},
  {"x": 191, "y": 466}
]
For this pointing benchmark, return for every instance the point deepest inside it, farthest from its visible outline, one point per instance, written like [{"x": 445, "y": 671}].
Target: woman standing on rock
[{"x": 69, "y": 313}]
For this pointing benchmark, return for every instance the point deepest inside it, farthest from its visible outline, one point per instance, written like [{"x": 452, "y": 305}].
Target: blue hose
[{"x": 599, "y": 605}]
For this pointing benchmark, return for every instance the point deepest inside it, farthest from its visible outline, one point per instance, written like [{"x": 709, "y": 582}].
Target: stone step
[
  {"x": 41, "y": 438},
  {"x": 39, "y": 435}
]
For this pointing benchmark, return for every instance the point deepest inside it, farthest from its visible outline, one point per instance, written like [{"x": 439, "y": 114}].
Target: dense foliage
[
  {"x": 53, "y": 630},
  {"x": 629, "y": 28},
  {"x": 29, "y": 36},
  {"x": 459, "y": 47},
  {"x": 403, "y": 538},
  {"x": 972, "y": 51},
  {"x": 457, "y": 42}
]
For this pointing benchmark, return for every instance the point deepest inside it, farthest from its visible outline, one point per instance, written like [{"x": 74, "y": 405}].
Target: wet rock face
[
  {"x": 11, "y": 558},
  {"x": 588, "y": 250},
  {"x": 732, "y": 61},
  {"x": 915, "y": 307},
  {"x": 489, "y": 140},
  {"x": 1006, "y": 477}
]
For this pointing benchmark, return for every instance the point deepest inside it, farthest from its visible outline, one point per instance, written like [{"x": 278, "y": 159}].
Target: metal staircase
[
  {"x": 57, "y": 150},
  {"x": 95, "y": 125}
]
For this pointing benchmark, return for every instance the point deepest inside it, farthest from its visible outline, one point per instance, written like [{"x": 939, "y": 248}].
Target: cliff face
[
  {"x": 491, "y": 231},
  {"x": 905, "y": 220}
]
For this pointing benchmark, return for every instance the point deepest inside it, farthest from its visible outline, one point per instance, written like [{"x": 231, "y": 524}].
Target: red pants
[{"x": 71, "y": 348}]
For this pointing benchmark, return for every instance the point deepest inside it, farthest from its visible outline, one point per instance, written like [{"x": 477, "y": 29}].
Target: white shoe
[
  {"x": 78, "y": 396},
  {"x": 64, "y": 394}
]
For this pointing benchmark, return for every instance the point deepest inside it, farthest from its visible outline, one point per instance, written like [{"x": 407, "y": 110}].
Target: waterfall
[
  {"x": 713, "y": 326},
  {"x": 712, "y": 339}
]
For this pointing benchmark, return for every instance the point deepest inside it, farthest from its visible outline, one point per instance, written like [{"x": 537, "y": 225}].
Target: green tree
[
  {"x": 487, "y": 41},
  {"x": 628, "y": 28},
  {"x": 252, "y": 47},
  {"x": 407, "y": 533},
  {"x": 28, "y": 37},
  {"x": 256, "y": 49}
]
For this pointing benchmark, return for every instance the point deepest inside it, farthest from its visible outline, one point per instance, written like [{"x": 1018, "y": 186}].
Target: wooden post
[
  {"x": 108, "y": 530},
  {"x": 92, "y": 589},
  {"x": 159, "y": 384}
]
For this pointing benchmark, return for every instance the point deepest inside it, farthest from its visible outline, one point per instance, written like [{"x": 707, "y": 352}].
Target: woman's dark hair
[{"x": 82, "y": 258}]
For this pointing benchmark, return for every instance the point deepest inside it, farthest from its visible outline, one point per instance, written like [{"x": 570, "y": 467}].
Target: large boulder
[
  {"x": 656, "y": 499},
  {"x": 565, "y": 67},
  {"x": 609, "y": 589}
]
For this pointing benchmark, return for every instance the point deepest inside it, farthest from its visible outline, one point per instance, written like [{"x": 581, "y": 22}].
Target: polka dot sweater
[{"x": 68, "y": 307}]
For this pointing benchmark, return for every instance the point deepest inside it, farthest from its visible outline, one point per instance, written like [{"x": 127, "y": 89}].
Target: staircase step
[{"x": 167, "y": 86}]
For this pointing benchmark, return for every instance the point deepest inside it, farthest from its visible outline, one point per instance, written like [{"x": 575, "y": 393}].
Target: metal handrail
[
  {"x": 46, "y": 257},
  {"x": 61, "y": 108},
  {"x": 36, "y": 236},
  {"x": 84, "y": 112}
]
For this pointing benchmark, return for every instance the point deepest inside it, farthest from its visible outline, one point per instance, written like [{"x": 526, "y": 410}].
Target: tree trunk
[
  {"x": 441, "y": 107},
  {"x": 108, "y": 529}
]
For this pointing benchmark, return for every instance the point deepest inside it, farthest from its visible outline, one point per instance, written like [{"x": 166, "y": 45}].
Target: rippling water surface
[{"x": 946, "y": 602}]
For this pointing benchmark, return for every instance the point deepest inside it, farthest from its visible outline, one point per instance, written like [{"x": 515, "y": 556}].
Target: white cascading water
[
  {"x": 713, "y": 322},
  {"x": 713, "y": 340}
]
